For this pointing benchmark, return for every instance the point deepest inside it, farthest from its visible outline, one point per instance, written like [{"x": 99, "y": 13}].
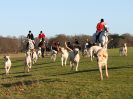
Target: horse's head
[
  {"x": 104, "y": 33},
  {"x": 6, "y": 57},
  {"x": 30, "y": 41}
]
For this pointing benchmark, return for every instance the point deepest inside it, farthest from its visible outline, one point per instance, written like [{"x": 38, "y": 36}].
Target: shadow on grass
[
  {"x": 17, "y": 60},
  {"x": 91, "y": 70},
  {"x": 121, "y": 67},
  {"x": 25, "y": 75},
  {"x": 75, "y": 72},
  {"x": 17, "y": 72},
  {"x": 23, "y": 64},
  {"x": 17, "y": 66},
  {"x": 19, "y": 83},
  {"x": 31, "y": 82},
  {"x": 4, "y": 76},
  {"x": 43, "y": 63},
  {"x": 43, "y": 66}
]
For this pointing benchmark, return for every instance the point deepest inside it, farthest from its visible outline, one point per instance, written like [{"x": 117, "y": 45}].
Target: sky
[{"x": 70, "y": 17}]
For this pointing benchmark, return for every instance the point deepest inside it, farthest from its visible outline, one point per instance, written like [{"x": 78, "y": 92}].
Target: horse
[{"x": 103, "y": 39}]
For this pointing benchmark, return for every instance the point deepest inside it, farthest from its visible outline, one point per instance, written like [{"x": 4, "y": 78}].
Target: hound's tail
[{"x": 67, "y": 47}]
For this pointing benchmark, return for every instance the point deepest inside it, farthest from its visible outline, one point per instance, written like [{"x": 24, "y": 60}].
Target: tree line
[{"x": 18, "y": 44}]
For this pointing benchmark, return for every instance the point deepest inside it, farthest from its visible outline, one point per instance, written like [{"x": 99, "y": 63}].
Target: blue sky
[{"x": 70, "y": 17}]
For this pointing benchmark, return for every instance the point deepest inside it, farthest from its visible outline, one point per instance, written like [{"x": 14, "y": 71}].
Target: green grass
[{"x": 48, "y": 80}]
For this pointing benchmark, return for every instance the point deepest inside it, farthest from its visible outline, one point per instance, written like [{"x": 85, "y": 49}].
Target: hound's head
[
  {"x": 6, "y": 57},
  {"x": 76, "y": 51},
  {"x": 28, "y": 53},
  {"x": 102, "y": 55},
  {"x": 125, "y": 44},
  {"x": 39, "y": 48},
  {"x": 61, "y": 49}
]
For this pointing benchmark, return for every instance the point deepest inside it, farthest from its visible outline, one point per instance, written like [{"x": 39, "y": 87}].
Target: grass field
[{"x": 48, "y": 80}]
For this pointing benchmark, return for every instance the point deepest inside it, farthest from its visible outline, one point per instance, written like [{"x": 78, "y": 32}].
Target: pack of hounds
[{"x": 94, "y": 51}]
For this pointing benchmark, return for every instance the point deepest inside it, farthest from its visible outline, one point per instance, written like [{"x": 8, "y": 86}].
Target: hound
[
  {"x": 34, "y": 56},
  {"x": 39, "y": 53},
  {"x": 123, "y": 50},
  {"x": 8, "y": 64},
  {"x": 74, "y": 57},
  {"x": 86, "y": 53},
  {"x": 28, "y": 61},
  {"x": 93, "y": 51},
  {"x": 64, "y": 55},
  {"x": 102, "y": 58},
  {"x": 53, "y": 55}
]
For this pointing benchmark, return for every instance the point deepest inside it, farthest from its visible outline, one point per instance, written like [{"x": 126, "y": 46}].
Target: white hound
[
  {"x": 74, "y": 57},
  {"x": 39, "y": 53},
  {"x": 93, "y": 51},
  {"x": 123, "y": 50},
  {"x": 64, "y": 55},
  {"x": 34, "y": 56},
  {"x": 53, "y": 55},
  {"x": 8, "y": 64},
  {"x": 28, "y": 61}
]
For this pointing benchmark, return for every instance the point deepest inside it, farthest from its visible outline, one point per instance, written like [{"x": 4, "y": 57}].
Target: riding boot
[{"x": 96, "y": 38}]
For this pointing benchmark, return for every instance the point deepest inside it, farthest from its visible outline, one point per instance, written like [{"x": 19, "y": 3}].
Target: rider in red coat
[
  {"x": 100, "y": 28},
  {"x": 41, "y": 36}
]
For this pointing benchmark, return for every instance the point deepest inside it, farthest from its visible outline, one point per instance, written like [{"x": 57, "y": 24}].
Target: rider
[
  {"x": 76, "y": 44},
  {"x": 69, "y": 44},
  {"x": 41, "y": 36},
  {"x": 30, "y": 36},
  {"x": 42, "y": 45},
  {"x": 101, "y": 27}
]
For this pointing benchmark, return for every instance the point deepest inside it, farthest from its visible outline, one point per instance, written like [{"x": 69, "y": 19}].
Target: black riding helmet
[{"x": 102, "y": 20}]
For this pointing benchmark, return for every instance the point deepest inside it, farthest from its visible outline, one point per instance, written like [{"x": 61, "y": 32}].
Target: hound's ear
[{"x": 4, "y": 56}]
